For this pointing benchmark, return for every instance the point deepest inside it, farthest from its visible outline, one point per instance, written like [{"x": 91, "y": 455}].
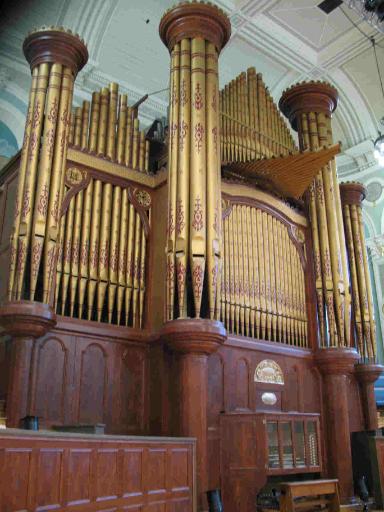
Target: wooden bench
[{"x": 310, "y": 496}]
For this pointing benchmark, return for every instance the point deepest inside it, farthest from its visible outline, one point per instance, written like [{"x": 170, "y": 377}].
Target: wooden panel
[
  {"x": 79, "y": 476},
  {"x": 45, "y": 472}
]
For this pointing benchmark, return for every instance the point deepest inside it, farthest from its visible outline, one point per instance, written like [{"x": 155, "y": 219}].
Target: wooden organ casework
[{"x": 225, "y": 297}]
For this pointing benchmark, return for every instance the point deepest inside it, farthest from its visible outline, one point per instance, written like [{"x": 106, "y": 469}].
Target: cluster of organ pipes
[
  {"x": 263, "y": 284},
  {"x": 194, "y": 180},
  {"x": 40, "y": 183},
  {"x": 109, "y": 127},
  {"x": 361, "y": 284},
  {"x": 251, "y": 125},
  {"x": 101, "y": 263},
  {"x": 329, "y": 249}
]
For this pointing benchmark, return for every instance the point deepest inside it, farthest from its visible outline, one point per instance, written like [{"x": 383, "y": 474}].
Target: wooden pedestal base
[
  {"x": 24, "y": 321},
  {"x": 335, "y": 365},
  {"x": 195, "y": 340},
  {"x": 367, "y": 375}
]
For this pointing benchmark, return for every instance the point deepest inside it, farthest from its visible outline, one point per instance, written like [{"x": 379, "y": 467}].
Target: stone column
[
  {"x": 24, "y": 322},
  {"x": 194, "y": 340},
  {"x": 336, "y": 365},
  {"x": 309, "y": 107},
  {"x": 55, "y": 56}
]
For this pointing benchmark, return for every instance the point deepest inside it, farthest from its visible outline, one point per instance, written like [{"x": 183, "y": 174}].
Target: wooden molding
[
  {"x": 27, "y": 318},
  {"x": 367, "y": 373},
  {"x": 352, "y": 193},
  {"x": 336, "y": 360},
  {"x": 57, "y": 45},
  {"x": 194, "y": 335},
  {"x": 190, "y": 20},
  {"x": 308, "y": 97}
]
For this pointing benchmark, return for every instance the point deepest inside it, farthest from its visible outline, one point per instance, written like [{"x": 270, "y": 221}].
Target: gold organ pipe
[
  {"x": 71, "y": 136},
  {"x": 246, "y": 270},
  {"x": 198, "y": 171},
  {"x": 130, "y": 261},
  {"x": 172, "y": 178},
  {"x": 263, "y": 298},
  {"x": 114, "y": 249},
  {"x": 122, "y": 129},
  {"x": 333, "y": 227},
  {"x": 104, "y": 247},
  {"x": 122, "y": 267},
  {"x": 94, "y": 125},
  {"x": 236, "y": 265},
  {"x": 327, "y": 266},
  {"x": 75, "y": 253},
  {"x": 142, "y": 278},
  {"x": 21, "y": 183},
  {"x": 112, "y": 119},
  {"x": 371, "y": 341},
  {"x": 85, "y": 245},
  {"x": 103, "y": 121},
  {"x": 135, "y": 144},
  {"x": 129, "y": 135},
  {"x": 240, "y": 240},
  {"x": 227, "y": 295},
  {"x": 85, "y": 125},
  {"x": 147, "y": 151},
  {"x": 136, "y": 270},
  {"x": 354, "y": 280},
  {"x": 213, "y": 183},
  {"x": 256, "y": 269},
  {"x": 277, "y": 290},
  {"x": 182, "y": 187},
  {"x": 251, "y": 274},
  {"x": 31, "y": 172},
  {"x": 78, "y": 121},
  {"x": 233, "y": 276},
  {"x": 94, "y": 244},
  {"x": 67, "y": 252}
]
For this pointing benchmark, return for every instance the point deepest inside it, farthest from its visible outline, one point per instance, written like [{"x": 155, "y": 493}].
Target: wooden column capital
[
  {"x": 352, "y": 193},
  {"x": 336, "y": 361},
  {"x": 26, "y": 319},
  {"x": 55, "y": 45},
  {"x": 194, "y": 335},
  {"x": 368, "y": 373},
  {"x": 195, "y": 19},
  {"x": 306, "y": 97}
]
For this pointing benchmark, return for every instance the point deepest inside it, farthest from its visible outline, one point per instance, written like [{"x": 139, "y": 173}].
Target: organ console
[{"x": 225, "y": 297}]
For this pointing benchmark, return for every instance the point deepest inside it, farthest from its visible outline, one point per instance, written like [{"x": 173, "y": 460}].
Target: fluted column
[
  {"x": 309, "y": 107},
  {"x": 194, "y": 33},
  {"x": 55, "y": 56},
  {"x": 352, "y": 195}
]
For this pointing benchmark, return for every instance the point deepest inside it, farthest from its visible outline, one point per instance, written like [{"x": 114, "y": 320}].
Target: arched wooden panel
[
  {"x": 93, "y": 378},
  {"x": 242, "y": 384},
  {"x": 51, "y": 382}
]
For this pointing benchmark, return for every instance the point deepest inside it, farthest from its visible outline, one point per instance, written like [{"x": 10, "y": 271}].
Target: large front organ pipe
[{"x": 307, "y": 106}]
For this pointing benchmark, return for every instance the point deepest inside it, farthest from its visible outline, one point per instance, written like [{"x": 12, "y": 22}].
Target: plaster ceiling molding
[
  {"x": 369, "y": 222},
  {"x": 355, "y": 108},
  {"x": 14, "y": 119},
  {"x": 281, "y": 45}
]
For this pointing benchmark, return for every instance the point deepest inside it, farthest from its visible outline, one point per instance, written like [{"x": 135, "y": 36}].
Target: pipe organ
[
  {"x": 225, "y": 298},
  {"x": 250, "y": 122}
]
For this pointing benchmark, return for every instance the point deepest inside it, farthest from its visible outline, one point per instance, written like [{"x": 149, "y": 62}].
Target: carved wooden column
[
  {"x": 194, "y": 340},
  {"x": 25, "y": 322},
  {"x": 367, "y": 375},
  {"x": 194, "y": 33},
  {"x": 336, "y": 365},
  {"x": 309, "y": 107},
  {"x": 55, "y": 56}
]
